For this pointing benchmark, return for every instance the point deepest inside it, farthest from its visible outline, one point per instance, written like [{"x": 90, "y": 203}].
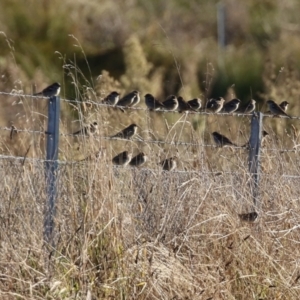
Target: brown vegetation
[{"x": 142, "y": 233}]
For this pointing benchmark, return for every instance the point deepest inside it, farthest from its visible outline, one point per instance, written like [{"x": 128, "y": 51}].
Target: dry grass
[{"x": 125, "y": 233}]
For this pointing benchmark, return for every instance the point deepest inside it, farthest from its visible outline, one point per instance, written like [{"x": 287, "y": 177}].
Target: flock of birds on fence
[{"x": 172, "y": 103}]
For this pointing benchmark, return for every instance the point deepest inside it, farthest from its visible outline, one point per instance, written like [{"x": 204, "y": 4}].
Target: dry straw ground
[{"x": 142, "y": 233}]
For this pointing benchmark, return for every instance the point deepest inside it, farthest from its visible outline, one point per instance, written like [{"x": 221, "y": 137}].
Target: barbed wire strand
[
  {"x": 14, "y": 129},
  {"x": 86, "y": 161},
  {"x": 238, "y": 114},
  {"x": 139, "y": 139},
  {"x": 97, "y": 137}
]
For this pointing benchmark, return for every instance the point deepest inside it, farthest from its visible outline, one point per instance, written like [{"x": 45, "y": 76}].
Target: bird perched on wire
[
  {"x": 231, "y": 106},
  {"x": 122, "y": 159},
  {"x": 249, "y": 217},
  {"x": 138, "y": 160},
  {"x": 112, "y": 98},
  {"x": 127, "y": 132},
  {"x": 195, "y": 104},
  {"x": 136, "y": 99},
  {"x": 169, "y": 164},
  {"x": 171, "y": 103},
  {"x": 183, "y": 105},
  {"x": 222, "y": 140},
  {"x": 284, "y": 105},
  {"x": 249, "y": 108},
  {"x": 50, "y": 91},
  {"x": 215, "y": 105},
  {"x": 129, "y": 100},
  {"x": 276, "y": 110},
  {"x": 87, "y": 130},
  {"x": 152, "y": 103}
]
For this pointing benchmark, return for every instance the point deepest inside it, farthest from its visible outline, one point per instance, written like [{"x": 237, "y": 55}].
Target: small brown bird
[
  {"x": 127, "y": 132},
  {"x": 195, "y": 103},
  {"x": 231, "y": 106},
  {"x": 249, "y": 108},
  {"x": 284, "y": 105},
  {"x": 152, "y": 103},
  {"x": 122, "y": 159},
  {"x": 130, "y": 99},
  {"x": 136, "y": 99},
  {"x": 249, "y": 217},
  {"x": 171, "y": 103},
  {"x": 112, "y": 98},
  {"x": 50, "y": 91},
  {"x": 169, "y": 164},
  {"x": 276, "y": 110},
  {"x": 182, "y": 105},
  {"x": 87, "y": 130},
  {"x": 222, "y": 140},
  {"x": 215, "y": 105},
  {"x": 138, "y": 160}
]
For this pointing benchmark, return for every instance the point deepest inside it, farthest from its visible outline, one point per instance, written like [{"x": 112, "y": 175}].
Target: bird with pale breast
[
  {"x": 249, "y": 108},
  {"x": 130, "y": 99},
  {"x": 215, "y": 105},
  {"x": 122, "y": 159},
  {"x": 171, "y": 103},
  {"x": 231, "y": 106},
  {"x": 195, "y": 103},
  {"x": 284, "y": 105},
  {"x": 112, "y": 98},
  {"x": 50, "y": 91},
  {"x": 276, "y": 110},
  {"x": 152, "y": 103},
  {"x": 138, "y": 160},
  {"x": 183, "y": 105},
  {"x": 222, "y": 140},
  {"x": 127, "y": 132}
]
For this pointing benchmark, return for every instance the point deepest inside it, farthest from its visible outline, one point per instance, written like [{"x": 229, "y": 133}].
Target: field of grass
[{"x": 144, "y": 233}]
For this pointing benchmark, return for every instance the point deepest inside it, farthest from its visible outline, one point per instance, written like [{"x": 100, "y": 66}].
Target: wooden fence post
[
  {"x": 51, "y": 166},
  {"x": 254, "y": 156}
]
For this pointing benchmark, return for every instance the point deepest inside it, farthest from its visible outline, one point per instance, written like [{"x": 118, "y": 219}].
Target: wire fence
[
  {"x": 137, "y": 138},
  {"x": 197, "y": 164}
]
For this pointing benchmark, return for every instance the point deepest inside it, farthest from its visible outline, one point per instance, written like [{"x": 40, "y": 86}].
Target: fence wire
[
  {"x": 139, "y": 139},
  {"x": 134, "y": 108}
]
